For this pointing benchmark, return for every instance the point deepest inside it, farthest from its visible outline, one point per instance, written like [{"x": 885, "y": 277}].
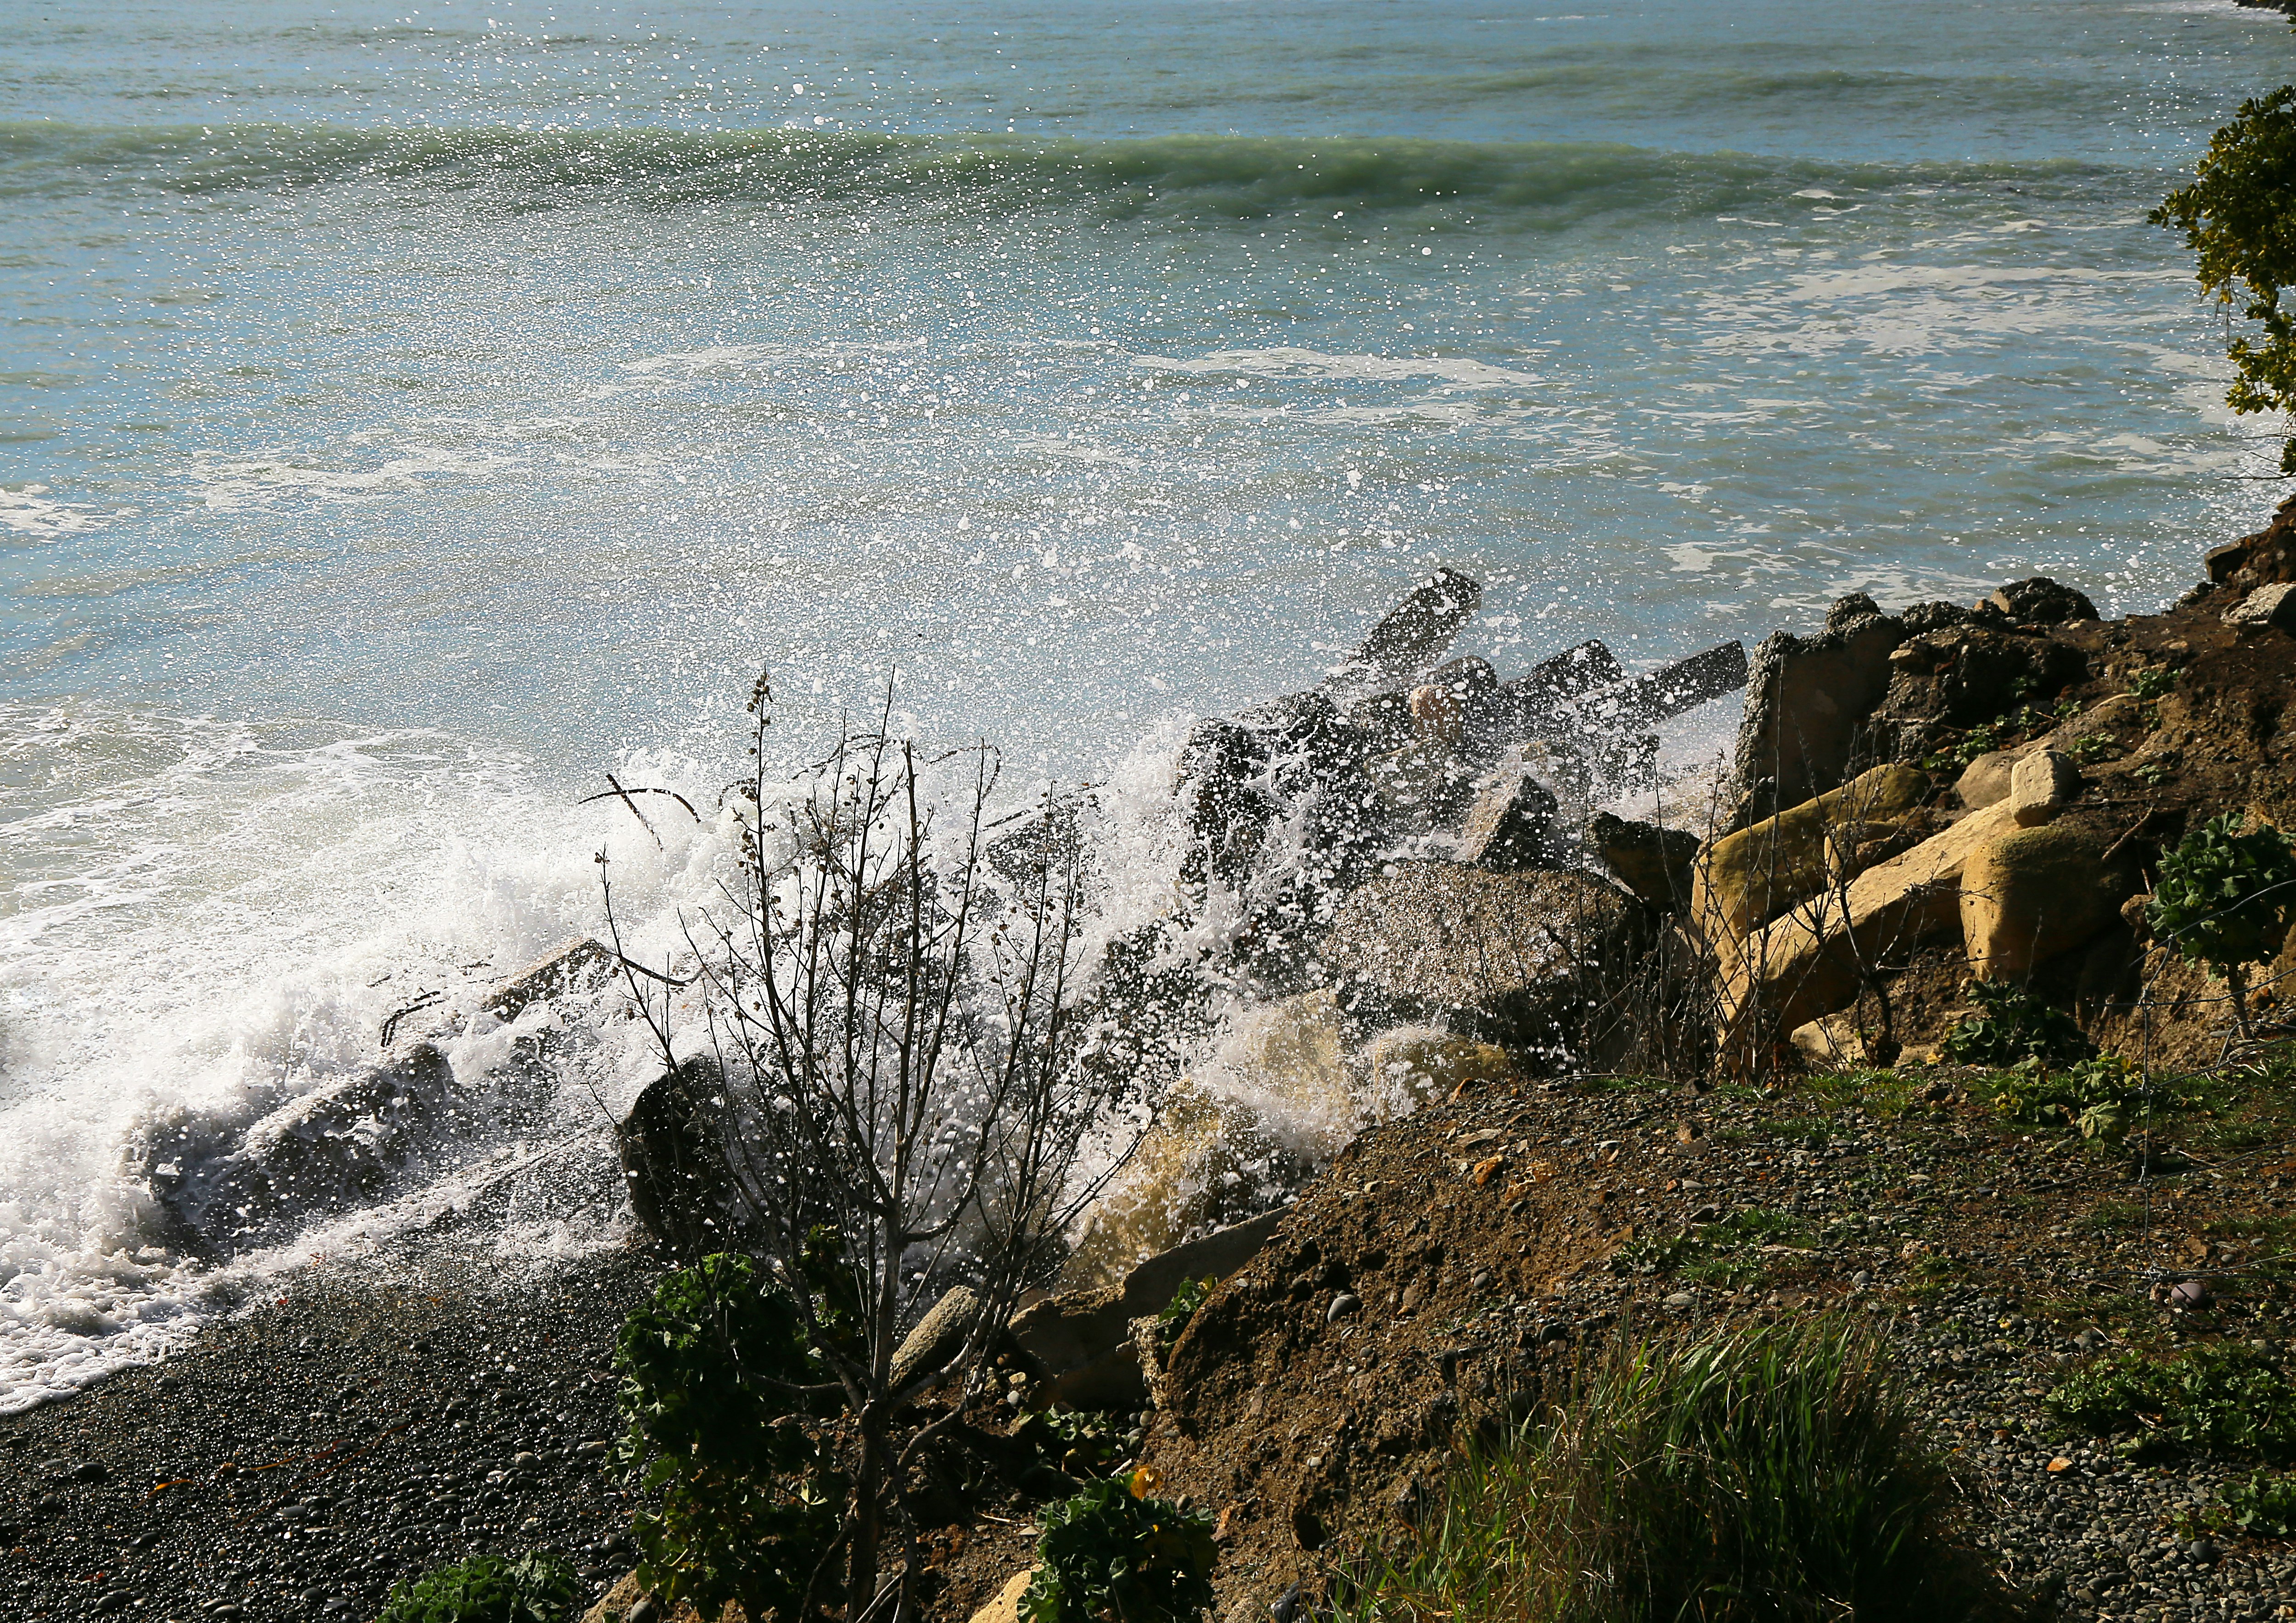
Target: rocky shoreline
[{"x": 1576, "y": 1075}]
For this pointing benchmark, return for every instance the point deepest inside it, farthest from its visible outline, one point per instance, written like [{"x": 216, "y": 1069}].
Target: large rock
[
  {"x": 2267, "y": 608},
  {"x": 1513, "y": 958},
  {"x": 672, "y": 1144},
  {"x": 1654, "y": 862},
  {"x": 1411, "y": 636},
  {"x": 578, "y": 962},
  {"x": 1749, "y": 878},
  {"x": 1544, "y": 697},
  {"x": 1673, "y": 689},
  {"x": 1271, "y": 1103},
  {"x": 2029, "y": 893},
  {"x": 334, "y": 1147},
  {"x": 1805, "y": 700},
  {"x": 1811, "y": 961},
  {"x": 1004, "y": 1605},
  {"x": 2041, "y": 601},
  {"x": 938, "y": 1337},
  {"x": 1083, "y": 1337},
  {"x": 1510, "y": 823},
  {"x": 2040, "y": 785}
]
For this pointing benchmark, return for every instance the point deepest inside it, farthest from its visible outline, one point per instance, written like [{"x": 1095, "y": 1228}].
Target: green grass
[
  {"x": 1727, "y": 1253},
  {"x": 2218, "y": 1398},
  {"x": 1762, "y": 1474}
]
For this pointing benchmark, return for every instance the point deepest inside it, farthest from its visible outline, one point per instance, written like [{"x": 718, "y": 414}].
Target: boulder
[
  {"x": 2267, "y": 608},
  {"x": 939, "y": 1337},
  {"x": 1409, "y": 636},
  {"x": 672, "y": 1145},
  {"x": 1083, "y": 1337},
  {"x": 1830, "y": 1043},
  {"x": 1985, "y": 779},
  {"x": 2029, "y": 893},
  {"x": 1805, "y": 700},
  {"x": 2266, "y": 558},
  {"x": 336, "y": 1147},
  {"x": 1417, "y": 1065},
  {"x": 1272, "y": 1101},
  {"x": 1543, "y": 697},
  {"x": 1672, "y": 689},
  {"x": 1427, "y": 784},
  {"x": 1513, "y": 958},
  {"x": 2042, "y": 601},
  {"x": 570, "y": 966},
  {"x": 1808, "y": 962},
  {"x": 1747, "y": 878},
  {"x": 615, "y": 1605},
  {"x": 1654, "y": 863},
  {"x": 2040, "y": 785},
  {"x": 1510, "y": 823}
]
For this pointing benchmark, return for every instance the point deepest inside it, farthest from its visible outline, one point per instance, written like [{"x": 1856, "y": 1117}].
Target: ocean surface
[{"x": 410, "y": 416}]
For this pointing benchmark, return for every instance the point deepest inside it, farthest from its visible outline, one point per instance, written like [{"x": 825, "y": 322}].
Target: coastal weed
[
  {"x": 1763, "y": 1472},
  {"x": 540, "y": 1587},
  {"x": 714, "y": 1372},
  {"x": 1115, "y": 1552},
  {"x": 2213, "y": 1397},
  {"x": 2225, "y": 898},
  {"x": 2010, "y": 1024}
]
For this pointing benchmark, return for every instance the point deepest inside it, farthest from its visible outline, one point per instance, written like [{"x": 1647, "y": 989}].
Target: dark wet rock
[
  {"x": 1654, "y": 862},
  {"x": 1413, "y": 634},
  {"x": 576, "y": 964},
  {"x": 2042, "y": 601},
  {"x": 1543, "y": 697},
  {"x": 1517, "y": 959},
  {"x": 339, "y": 1145},
  {"x": 674, "y": 1163},
  {"x": 1510, "y": 823},
  {"x": 1806, "y": 699}
]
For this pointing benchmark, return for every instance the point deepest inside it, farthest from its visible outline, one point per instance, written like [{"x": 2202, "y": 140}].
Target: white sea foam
[
  {"x": 27, "y": 510},
  {"x": 204, "y": 915}
]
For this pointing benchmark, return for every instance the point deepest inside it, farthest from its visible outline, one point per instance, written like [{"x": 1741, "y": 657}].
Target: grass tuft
[{"x": 1762, "y": 1475}]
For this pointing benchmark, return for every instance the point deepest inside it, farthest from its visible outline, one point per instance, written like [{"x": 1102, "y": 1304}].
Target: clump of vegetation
[
  {"x": 1084, "y": 1442},
  {"x": 2225, "y": 898},
  {"x": 1981, "y": 739},
  {"x": 2010, "y": 1025},
  {"x": 2234, "y": 218},
  {"x": 2214, "y": 1397},
  {"x": 537, "y": 1588},
  {"x": 1775, "y": 1472},
  {"x": 1117, "y": 1554},
  {"x": 716, "y": 1382},
  {"x": 2153, "y": 682},
  {"x": 1173, "y": 1317},
  {"x": 2100, "y": 1098},
  {"x": 2261, "y": 1505},
  {"x": 1727, "y": 1252}
]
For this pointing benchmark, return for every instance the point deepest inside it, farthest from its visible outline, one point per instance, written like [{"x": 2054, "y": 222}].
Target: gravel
[{"x": 375, "y": 1422}]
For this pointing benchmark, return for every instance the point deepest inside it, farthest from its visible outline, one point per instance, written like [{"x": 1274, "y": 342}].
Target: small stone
[
  {"x": 2266, "y": 607},
  {"x": 2059, "y": 1465},
  {"x": 1486, "y": 1170},
  {"x": 1343, "y": 1304},
  {"x": 1680, "y": 1300}
]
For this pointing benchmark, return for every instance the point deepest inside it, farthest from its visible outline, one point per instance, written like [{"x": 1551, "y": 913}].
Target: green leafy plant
[
  {"x": 716, "y": 1378},
  {"x": 2225, "y": 898},
  {"x": 1768, "y": 1472},
  {"x": 2099, "y": 1097},
  {"x": 1980, "y": 740},
  {"x": 2214, "y": 1397},
  {"x": 1084, "y": 1442},
  {"x": 2010, "y": 1024},
  {"x": 2235, "y": 216},
  {"x": 2153, "y": 682},
  {"x": 1115, "y": 1554},
  {"x": 2261, "y": 1505},
  {"x": 535, "y": 1588},
  {"x": 2093, "y": 746},
  {"x": 1173, "y": 1317}
]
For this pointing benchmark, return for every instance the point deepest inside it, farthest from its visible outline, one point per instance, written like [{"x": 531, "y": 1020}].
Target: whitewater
[{"x": 409, "y": 416}]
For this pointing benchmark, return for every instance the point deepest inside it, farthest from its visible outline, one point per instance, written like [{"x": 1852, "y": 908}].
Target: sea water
[{"x": 411, "y": 415}]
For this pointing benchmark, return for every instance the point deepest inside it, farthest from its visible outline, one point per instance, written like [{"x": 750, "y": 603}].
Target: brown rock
[
  {"x": 1004, "y": 1606},
  {"x": 1805, "y": 700},
  {"x": 2032, "y": 893},
  {"x": 1747, "y": 878},
  {"x": 2040, "y": 785}
]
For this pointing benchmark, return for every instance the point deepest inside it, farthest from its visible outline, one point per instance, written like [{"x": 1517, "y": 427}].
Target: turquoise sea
[{"x": 409, "y": 415}]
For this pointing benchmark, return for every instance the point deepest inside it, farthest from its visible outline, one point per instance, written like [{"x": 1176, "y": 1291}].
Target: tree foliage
[
  {"x": 2225, "y": 898},
  {"x": 2239, "y": 219}
]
